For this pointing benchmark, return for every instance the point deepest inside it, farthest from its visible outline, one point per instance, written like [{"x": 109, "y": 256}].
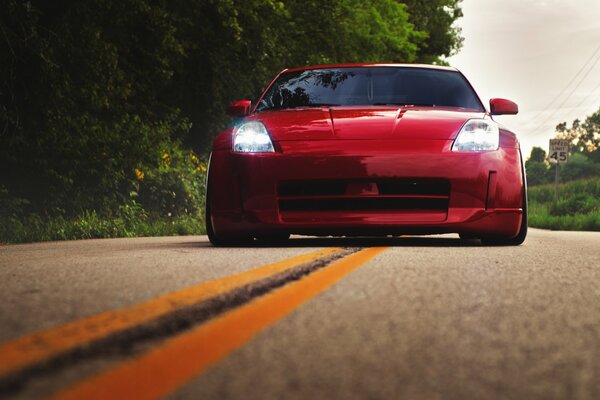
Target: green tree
[
  {"x": 585, "y": 152},
  {"x": 93, "y": 91},
  {"x": 80, "y": 98},
  {"x": 536, "y": 167},
  {"x": 579, "y": 167},
  {"x": 436, "y": 18},
  {"x": 537, "y": 155},
  {"x": 584, "y": 136},
  {"x": 233, "y": 48}
]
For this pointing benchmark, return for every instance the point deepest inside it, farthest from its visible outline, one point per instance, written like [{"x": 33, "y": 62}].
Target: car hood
[{"x": 365, "y": 123}]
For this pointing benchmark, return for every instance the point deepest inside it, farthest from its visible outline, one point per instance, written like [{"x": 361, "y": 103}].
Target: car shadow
[{"x": 401, "y": 241}]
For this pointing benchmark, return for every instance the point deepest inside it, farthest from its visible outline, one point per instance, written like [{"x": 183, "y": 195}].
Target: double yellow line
[{"x": 163, "y": 369}]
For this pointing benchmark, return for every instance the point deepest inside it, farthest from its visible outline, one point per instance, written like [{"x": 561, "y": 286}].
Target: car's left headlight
[
  {"x": 477, "y": 135},
  {"x": 252, "y": 137}
]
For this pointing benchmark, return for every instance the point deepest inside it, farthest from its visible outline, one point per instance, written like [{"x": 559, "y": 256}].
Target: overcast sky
[{"x": 529, "y": 51}]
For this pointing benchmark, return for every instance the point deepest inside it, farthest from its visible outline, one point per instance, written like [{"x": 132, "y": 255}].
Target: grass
[
  {"x": 127, "y": 222},
  {"x": 577, "y": 209}
]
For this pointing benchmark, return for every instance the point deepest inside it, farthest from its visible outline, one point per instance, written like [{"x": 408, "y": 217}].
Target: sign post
[{"x": 558, "y": 154}]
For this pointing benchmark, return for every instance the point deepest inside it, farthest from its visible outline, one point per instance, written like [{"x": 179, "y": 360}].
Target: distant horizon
[{"x": 511, "y": 50}]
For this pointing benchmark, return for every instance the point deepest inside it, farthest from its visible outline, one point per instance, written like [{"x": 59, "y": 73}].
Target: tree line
[
  {"x": 584, "y": 161},
  {"x": 95, "y": 95}
]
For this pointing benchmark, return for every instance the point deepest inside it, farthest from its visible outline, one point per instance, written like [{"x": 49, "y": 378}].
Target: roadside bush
[
  {"x": 581, "y": 203},
  {"x": 541, "y": 194},
  {"x": 130, "y": 220},
  {"x": 579, "y": 167},
  {"x": 166, "y": 197},
  {"x": 174, "y": 188},
  {"x": 578, "y": 206},
  {"x": 538, "y": 173}
]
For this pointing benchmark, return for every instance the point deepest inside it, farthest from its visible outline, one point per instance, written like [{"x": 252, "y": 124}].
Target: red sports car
[{"x": 367, "y": 150}]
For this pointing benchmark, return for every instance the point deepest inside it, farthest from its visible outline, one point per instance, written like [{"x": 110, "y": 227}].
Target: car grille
[{"x": 361, "y": 195}]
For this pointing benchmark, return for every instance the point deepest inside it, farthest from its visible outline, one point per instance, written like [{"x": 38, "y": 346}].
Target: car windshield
[{"x": 370, "y": 86}]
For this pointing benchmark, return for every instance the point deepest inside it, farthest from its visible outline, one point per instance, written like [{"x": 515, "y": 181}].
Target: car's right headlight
[
  {"x": 477, "y": 135},
  {"x": 252, "y": 137}
]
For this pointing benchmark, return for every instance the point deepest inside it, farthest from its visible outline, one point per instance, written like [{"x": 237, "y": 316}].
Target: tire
[
  {"x": 208, "y": 223},
  {"x": 210, "y": 232},
  {"x": 516, "y": 241},
  {"x": 520, "y": 238}
]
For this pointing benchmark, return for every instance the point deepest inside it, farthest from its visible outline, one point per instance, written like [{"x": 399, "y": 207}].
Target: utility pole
[{"x": 556, "y": 174}]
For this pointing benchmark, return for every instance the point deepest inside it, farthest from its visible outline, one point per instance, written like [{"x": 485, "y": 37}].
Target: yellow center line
[
  {"x": 27, "y": 350},
  {"x": 167, "y": 367}
]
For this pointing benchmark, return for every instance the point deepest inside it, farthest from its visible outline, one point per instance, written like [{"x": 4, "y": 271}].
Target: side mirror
[
  {"x": 503, "y": 107},
  {"x": 239, "y": 108}
]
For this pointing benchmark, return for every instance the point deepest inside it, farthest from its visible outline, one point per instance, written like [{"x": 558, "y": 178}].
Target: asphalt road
[{"x": 411, "y": 318}]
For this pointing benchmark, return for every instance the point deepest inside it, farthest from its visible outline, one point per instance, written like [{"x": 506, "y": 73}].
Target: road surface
[{"x": 409, "y": 317}]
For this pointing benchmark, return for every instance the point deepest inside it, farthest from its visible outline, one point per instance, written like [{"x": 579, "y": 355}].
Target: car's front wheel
[
  {"x": 517, "y": 240},
  {"x": 212, "y": 236}
]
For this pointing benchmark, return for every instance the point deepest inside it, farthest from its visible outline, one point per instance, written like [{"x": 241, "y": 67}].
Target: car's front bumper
[{"x": 485, "y": 189}]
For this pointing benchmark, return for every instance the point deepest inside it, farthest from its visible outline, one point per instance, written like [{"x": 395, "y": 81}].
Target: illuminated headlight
[
  {"x": 252, "y": 137},
  {"x": 477, "y": 135}
]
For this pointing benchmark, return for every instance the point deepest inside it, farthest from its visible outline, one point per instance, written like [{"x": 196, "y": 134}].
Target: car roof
[{"x": 323, "y": 66}]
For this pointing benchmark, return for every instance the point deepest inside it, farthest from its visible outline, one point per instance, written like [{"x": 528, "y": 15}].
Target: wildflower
[
  {"x": 139, "y": 174},
  {"x": 199, "y": 168},
  {"x": 166, "y": 159}
]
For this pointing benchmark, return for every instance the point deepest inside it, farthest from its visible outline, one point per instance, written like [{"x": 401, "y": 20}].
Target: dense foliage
[
  {"x": 578, "y": 198},
  {"x": 96, "y": 95},
  {"x": 80, "y": 103},
  {"x": 577, "y": 208},
  {"x": 436, "y": 19}
]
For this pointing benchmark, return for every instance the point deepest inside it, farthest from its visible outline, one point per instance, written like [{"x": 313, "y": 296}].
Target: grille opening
[
  {"x": 415, "y": 187},
  {"x": 364, "y": 204},
  {"x": 411, "y": 194},
  {"x": 312, "y": 188}
]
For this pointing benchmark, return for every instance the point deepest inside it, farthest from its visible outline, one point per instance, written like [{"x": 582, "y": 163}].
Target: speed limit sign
[{"x": 559, "y": 151}]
